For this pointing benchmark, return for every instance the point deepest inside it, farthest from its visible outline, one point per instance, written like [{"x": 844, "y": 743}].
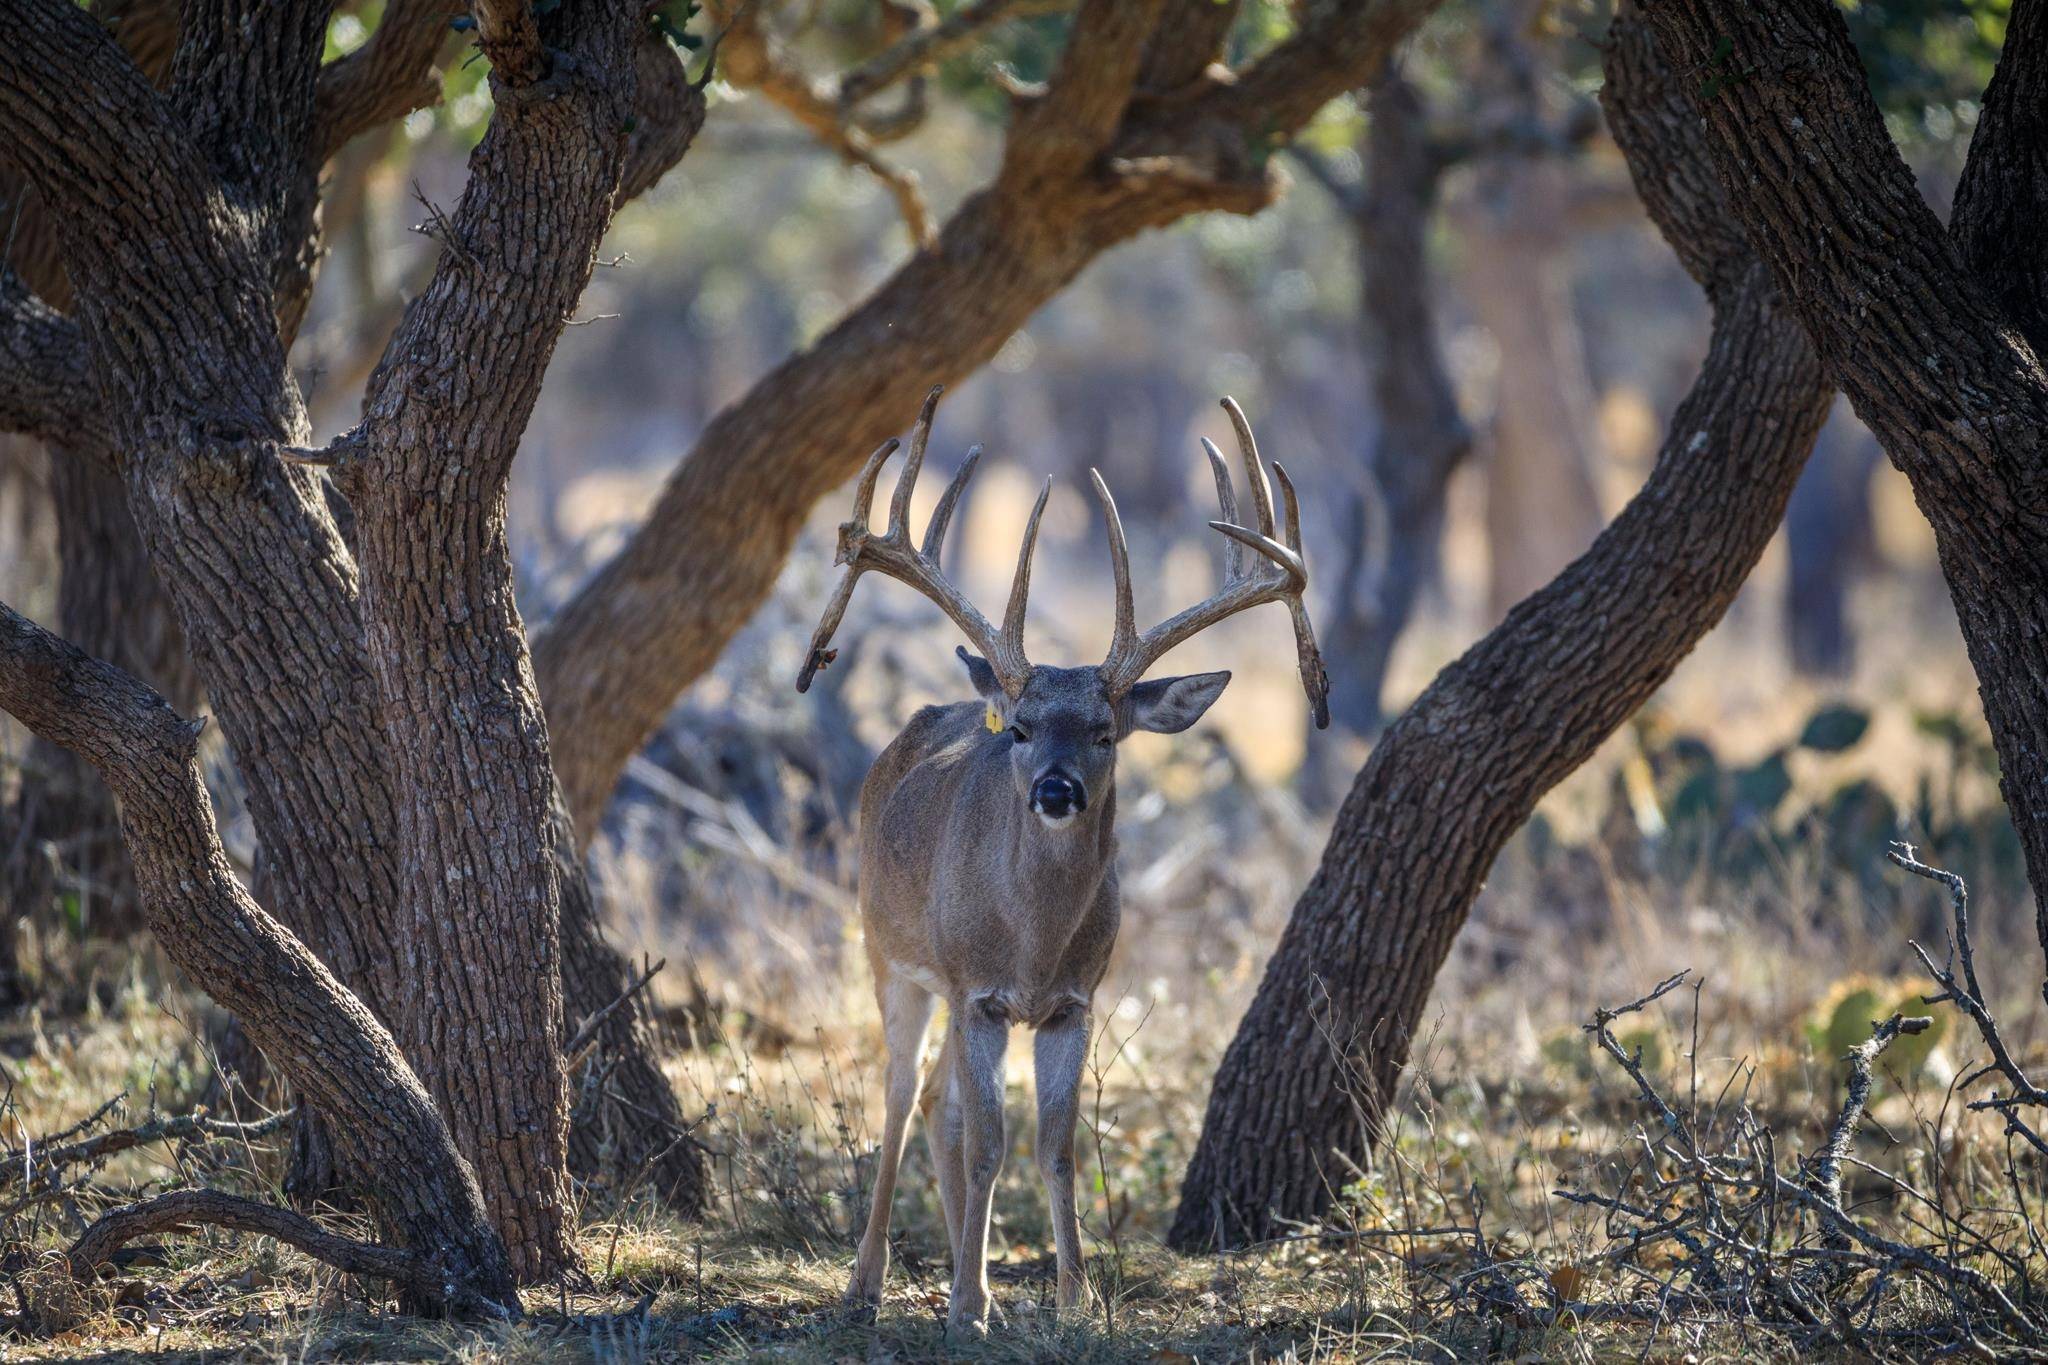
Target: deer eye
[{"x": 1017, "y": 734}]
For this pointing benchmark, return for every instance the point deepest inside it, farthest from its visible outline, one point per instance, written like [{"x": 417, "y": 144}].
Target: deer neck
[{"x": 1063, "y": 865}]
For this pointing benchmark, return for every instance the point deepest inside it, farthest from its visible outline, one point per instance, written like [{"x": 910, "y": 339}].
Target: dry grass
[{"x": 1779, "y": 912}]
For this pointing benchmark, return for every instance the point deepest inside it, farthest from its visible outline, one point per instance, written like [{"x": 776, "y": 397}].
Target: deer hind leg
[
  {"x": 906, "y": 1013},
  {"x": 944, "y": 1127},
  {"x": 1058, "y": 1054},
  {"x": 981, "y": 1038}
]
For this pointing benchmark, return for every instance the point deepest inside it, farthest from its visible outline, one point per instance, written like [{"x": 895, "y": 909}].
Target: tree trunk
[
  {"x": 1314, "y": 1063},
  {"x": 1543, "y": 448},
  {"x": 109, "y": 603},
  {"x": 466, "y": 740},
  {"x": 1396, "y": 520},
  {"x": 330, "y": 1047},
  {"x": 1932, "y": 334},
  {"x": 66, "y": 837},
  {"x": 1828, "y": 535}
]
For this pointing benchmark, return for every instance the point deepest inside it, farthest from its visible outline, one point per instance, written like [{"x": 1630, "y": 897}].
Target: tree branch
[
  {"x": 926, "y": 48},
  {"x": 2000, "y": 217},
  {"x": 45, "y": 390},
  {"x": 386, "y": 78},
  {"x": 180, "y": 1210},
  {"x": 752, "y": 58}
]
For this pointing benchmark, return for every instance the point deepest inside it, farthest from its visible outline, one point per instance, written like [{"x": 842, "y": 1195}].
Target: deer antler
[
  {"x": 1277, "y": 575},
  {"x": 892, "y": 553}
]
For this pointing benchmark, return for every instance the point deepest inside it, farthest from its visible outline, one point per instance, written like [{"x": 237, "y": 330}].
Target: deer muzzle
[{"x": 1057, "y": 796}]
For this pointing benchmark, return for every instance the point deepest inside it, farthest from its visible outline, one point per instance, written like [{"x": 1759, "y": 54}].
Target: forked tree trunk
[
  {"x": 1314, "y": 1063},
  {"x": 1935, "y": 336},
  {"x": 331, "y": 1048}
]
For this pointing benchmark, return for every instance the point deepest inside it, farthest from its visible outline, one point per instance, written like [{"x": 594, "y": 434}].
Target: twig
[
  {"x": 585, "y": 1037},
  {"x": 193, "y": 1127}
]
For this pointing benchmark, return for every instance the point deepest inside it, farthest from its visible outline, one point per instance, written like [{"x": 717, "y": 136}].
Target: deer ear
[
  {"x": 984, "y": 679},
  {"x": 1167, "y": 706}
]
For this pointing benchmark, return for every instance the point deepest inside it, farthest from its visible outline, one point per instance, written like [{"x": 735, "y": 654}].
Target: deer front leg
[
  {"x": 906, "y": 1013},
  {"x": 1058, "y": 1055},
  {"x": 983, "y": 1038}
]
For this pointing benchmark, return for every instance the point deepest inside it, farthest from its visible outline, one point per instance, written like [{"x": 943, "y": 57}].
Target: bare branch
[
  {"x": 927, "y": 47},
  {"x": 1967, "y": 995},
  {"x": 386, "y": 78},
  {"x": 754, "y": 59},
  {"x": 40, "y": 1164},
  {"x": 182, "y": 1209}
]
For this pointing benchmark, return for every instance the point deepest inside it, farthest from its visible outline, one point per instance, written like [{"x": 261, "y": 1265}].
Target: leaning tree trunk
[
  {"x": 66, "y": 835},
  {"x": 1314, "y": 1063},
  {"x": 332, "y": 1048},
  {"x": 1935, "y": 336}
]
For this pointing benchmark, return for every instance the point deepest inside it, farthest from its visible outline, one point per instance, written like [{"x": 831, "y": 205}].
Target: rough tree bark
[
  {"x": 1315, "y": 1060},
  {"x": 427, "y": 474},
  {"x": 202, "y": 194},
  {"x": 324, "y": 1040},
  {"x": 1135, "y": 129},
  {"x": 1932, "y": 334},
  {"x": 108, "y": 603}
]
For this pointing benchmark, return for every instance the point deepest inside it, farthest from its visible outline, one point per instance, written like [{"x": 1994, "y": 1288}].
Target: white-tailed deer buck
[{"x": 988, "y": 847}]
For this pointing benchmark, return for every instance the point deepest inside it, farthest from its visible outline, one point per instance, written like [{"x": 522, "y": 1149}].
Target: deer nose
[{"x": 1057, "y": 795}]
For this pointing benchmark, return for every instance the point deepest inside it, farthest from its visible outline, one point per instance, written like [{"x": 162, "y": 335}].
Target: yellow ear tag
[{"x": 993, "y": 721}]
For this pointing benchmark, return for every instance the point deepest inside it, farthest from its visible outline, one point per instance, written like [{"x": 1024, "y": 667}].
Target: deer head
[{"x": 1065, "y": 723}]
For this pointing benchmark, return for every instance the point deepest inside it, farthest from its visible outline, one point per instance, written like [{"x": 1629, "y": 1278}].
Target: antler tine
[
  {"x": 1287, "y": 560},
  {"x": 864, "y": 491},
  {"x": 818, "y": 655},
  {"x": 1315, "y": 679},
  {"x": 906, "y": 483},
  {"x": 1014, "y": 664},
  {"x": 1226, "y": 498},
  {"x": 1290, "y": 514},
  {"x": 892, "y": 553},
  {"x": 1125, "y": 634},
  {"x": 942, "y": 515},
  {"x": 1254, "y": 467},
  {"x": 1130, "y": 655}
]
